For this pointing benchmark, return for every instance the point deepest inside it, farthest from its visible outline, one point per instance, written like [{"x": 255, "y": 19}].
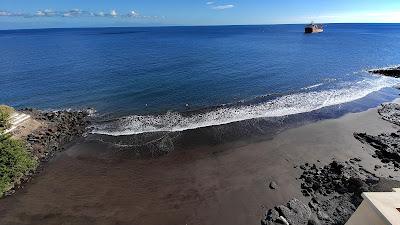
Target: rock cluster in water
[{"x": 390, "y": 72}]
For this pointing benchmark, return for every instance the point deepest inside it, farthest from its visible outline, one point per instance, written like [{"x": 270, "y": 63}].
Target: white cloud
[
  {"x": 210, "y": 3},
  {"x": 134, "y": 14},
  {"x": 100, "y": 14},
  {"x": 223, "y": 7},
  {"x": 46, "y": 12},
  {"x": 113, "y": 13},
  {"x": 5, "y": 13},
  {"x": 78, "y": 13},
  {"x": 74, "y": 12}
]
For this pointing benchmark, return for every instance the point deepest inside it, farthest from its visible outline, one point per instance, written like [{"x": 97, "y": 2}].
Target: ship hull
[{"x": 309, "y": 30}]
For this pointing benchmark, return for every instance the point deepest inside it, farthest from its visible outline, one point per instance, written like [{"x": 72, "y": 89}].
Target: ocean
[{"x": 180, "y": 78}]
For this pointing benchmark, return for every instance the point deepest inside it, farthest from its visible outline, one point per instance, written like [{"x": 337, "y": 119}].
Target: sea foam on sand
[{"x": 281, "y": 106}]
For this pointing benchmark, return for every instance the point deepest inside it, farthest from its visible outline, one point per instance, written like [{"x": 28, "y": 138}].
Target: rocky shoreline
[
  {"x": 334, "y": 191},
  {"x": 390, "y": 72},
  {"x": 57, "y": 129},
  {"x": 60, "y": 128}
]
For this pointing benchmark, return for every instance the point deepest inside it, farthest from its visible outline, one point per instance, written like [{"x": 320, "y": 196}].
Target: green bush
[
  {"x": 5, "y": 113},
  {"x": 15, "y": 162}
]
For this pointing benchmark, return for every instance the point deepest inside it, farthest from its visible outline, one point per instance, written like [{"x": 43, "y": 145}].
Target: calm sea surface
[{"x": 153, "y": 76}]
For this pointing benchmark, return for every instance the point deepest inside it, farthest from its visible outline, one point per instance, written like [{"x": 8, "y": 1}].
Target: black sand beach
[{"x": 231, "y": 183}]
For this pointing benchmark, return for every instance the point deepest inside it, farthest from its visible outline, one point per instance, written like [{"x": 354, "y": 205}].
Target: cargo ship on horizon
[{"x": 313, "y": 28}]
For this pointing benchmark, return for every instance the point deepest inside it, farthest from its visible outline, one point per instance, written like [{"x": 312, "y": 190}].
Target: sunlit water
[{"x": 178, "y": 78}]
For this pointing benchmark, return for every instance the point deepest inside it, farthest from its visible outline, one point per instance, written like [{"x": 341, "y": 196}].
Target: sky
[{"x": 19, "y": 14}]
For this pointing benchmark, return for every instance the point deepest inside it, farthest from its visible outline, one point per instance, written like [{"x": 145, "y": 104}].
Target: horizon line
[{"x": 161, "y": 26}]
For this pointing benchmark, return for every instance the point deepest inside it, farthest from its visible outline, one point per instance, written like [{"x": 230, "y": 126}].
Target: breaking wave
[{"x": 281, "y": 106}]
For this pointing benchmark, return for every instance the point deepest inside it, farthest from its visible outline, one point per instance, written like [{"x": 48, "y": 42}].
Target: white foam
[
  {"x": 312, "y": 86},
  {"x": 282, "y": 106}
]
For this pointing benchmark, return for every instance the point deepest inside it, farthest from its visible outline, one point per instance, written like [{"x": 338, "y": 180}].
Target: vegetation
[
  {"x": 15, "y": 160},
  {"x": 5, "y": 113}
]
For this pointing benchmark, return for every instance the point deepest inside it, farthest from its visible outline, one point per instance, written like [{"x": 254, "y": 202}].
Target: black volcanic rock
[
  {"x": 390, "y": 112},
  {"x": 273, "y": 185},
  {"x": 60, "y": 127},
  {"x": 335, "y": 189},
  {"x": 390, "y": 72},
  {"x": 386, "y": 146},
  {"x": 294, "y": 212}
]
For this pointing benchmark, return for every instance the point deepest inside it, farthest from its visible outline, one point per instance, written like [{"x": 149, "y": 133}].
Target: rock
[
  {"x": 271, "y": 217},
  {"x": 386, "y": 146},
  {"x": 390, "y": 112},
  {"x": 336, "y": 189},
  {"x": 273, "y": 185},
  {"x": 356, "y": 185},
  {"x": 390, "y": 72},
  {"x": 312, "y": 222},
  {"x": 336, "y": 167},
  {"x": 323, "y": 216},
  {"x": 282, "y": 220},
  {"x": 296, "y": 212},
  {"x": 313, "y": 205},
  {"x": 60, "y": 128}
]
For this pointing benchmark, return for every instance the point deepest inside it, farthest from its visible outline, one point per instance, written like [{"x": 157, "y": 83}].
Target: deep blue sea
[{"x": 152, "y": 77}]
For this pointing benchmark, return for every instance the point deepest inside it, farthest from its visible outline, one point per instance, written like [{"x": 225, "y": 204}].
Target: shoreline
[
  {"x": 217, "y": 184},
  {"x": 160, "y": 144},
  {"x": 156, "y": 144}
]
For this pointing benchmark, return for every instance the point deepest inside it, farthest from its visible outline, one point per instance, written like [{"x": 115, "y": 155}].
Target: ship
[{"x": 313, "y": 28}]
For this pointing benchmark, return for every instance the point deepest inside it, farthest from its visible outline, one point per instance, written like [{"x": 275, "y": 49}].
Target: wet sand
[{"x": 224, "y": 184}]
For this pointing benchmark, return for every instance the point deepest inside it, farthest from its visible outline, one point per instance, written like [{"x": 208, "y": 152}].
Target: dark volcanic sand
[{"x": 227, "y": 184}]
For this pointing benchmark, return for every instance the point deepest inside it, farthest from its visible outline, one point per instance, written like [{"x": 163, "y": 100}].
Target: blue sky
[{"x": 93, "y": 13}]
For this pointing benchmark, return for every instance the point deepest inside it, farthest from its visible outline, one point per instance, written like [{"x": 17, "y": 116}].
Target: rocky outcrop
[
  {"x": 295, "y": 212},
  {"x": 387, "y": 146},
  {"x": 390, "y": 112},
  {"x": 390, "y": 72},
  {"x": 334, "y": 191},
  {"x": 59, "y": 128}
]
